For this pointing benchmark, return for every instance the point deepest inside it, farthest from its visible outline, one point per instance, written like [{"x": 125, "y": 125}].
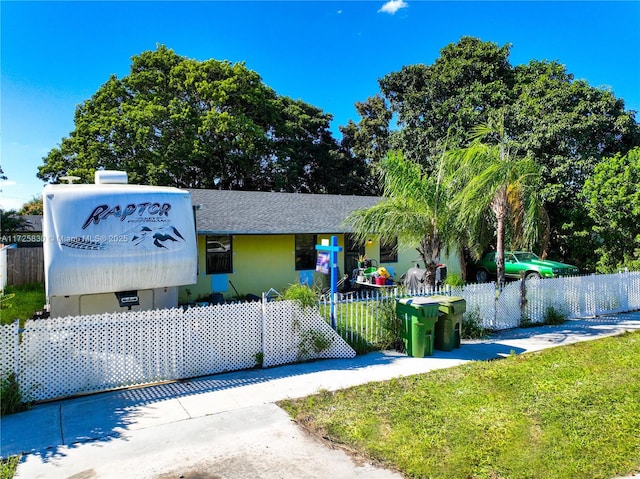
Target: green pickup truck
[{"x": 519, "y": 264}]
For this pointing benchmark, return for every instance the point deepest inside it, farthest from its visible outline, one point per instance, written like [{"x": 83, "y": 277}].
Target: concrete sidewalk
[{"x": 227, "y": 425}]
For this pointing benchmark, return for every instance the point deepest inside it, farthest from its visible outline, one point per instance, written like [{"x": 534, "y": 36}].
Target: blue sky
[{"x": 55, "y": 55}]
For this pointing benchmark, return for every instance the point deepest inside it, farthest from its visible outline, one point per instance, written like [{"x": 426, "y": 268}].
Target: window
[
  {"x": 389, "y": 251},
  {"x": 306, "y": 254},
  {"x": 219, "y": 254}
]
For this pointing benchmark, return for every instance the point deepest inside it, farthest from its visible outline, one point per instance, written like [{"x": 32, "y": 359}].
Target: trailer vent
[{"x": 111, "y": 177}]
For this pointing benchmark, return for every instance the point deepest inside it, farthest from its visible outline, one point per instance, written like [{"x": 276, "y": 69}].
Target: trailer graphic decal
[
  {"x": 141, "y": 237},
  {"x": 103, "y": 212}
]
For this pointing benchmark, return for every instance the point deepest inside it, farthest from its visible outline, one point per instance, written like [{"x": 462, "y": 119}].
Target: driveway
[{"x": 228, "y": 425}]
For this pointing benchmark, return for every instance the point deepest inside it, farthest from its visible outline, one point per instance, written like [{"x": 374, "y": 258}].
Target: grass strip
[
  {"x": 21, "y": 302},
  {"x": 8, "y": 467},
  {"x": 568, "y": 412}
]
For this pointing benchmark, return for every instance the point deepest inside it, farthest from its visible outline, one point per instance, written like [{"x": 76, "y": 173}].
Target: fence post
[
  {"x": 263, "y": 313},
  {"x": 495, "y": 305},
  {"x": 523, "y": 298},
  {"x": 333, "y": 249}
]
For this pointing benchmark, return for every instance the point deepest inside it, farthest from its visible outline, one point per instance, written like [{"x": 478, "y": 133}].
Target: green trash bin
[
  {"x": 418, "y": 317},
  {"x": 449, "y": 325}
]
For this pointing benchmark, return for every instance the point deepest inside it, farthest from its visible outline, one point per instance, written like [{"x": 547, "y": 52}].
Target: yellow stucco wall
[{"x": 261, "y": 262}]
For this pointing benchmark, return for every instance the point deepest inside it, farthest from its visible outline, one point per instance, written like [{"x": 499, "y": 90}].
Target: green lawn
[
  {"x": 20, "y": 302},
  {"x": 569, "y": 412},
  {"x": 366, "y": 325}
]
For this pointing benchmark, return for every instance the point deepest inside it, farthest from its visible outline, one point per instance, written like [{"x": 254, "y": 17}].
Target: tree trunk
[
  {"x": 500, "y": 207},
  {"x": 500, "y": 251},
  {"x": 429, "y": 250}
]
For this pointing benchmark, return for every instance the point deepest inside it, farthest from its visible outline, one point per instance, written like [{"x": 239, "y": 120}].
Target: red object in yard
[{"x": 380, "y": 280}]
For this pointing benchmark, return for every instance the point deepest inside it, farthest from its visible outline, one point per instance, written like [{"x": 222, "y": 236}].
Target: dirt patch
[{"x": 359, "y": 458}]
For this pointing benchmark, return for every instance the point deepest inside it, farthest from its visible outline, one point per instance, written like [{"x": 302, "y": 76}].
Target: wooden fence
[{"x": 25, "y": 265}]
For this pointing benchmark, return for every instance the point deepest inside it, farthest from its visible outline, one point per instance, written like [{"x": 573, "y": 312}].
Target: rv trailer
[{"x": 113, "y": 246}]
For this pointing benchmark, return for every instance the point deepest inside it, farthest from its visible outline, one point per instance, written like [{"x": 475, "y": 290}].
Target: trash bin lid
[
  {"x": 427, "y": 305},
  {"x": 424, "y": 300},
  {"x": 418, "y": 300},
  {"x": 457, "y": 304},
  {"x": 452, "y": 304}
]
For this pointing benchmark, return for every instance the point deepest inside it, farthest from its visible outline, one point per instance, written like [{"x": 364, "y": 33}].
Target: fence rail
[{"x": 363, "y": 317}]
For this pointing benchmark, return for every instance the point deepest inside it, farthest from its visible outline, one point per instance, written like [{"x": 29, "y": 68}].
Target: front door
[{"x": 352, "y": 249}]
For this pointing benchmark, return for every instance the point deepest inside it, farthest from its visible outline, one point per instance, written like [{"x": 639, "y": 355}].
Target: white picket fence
[
  {"x": 577, "y": 297},
  {"x": 360, "y": 315},
  {"x": 62, "y": 357}
]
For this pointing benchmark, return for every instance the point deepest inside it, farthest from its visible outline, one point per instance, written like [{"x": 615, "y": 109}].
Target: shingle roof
[
  {"x": 253, "y": 212},
  {"x": 34, "y": 223}
]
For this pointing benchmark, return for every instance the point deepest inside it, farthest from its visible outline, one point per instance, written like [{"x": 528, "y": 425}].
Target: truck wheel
[
  {"x": 482, "y": 276},
  {"x": 531, "y": 275}
]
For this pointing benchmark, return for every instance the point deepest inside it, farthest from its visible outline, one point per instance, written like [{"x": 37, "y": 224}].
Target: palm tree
[
  {"x": 414, "y": 209},
  {"x": 491, "y": 178}
]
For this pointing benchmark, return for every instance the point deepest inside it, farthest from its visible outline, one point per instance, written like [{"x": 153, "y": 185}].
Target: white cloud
[{"x": 392, "y": 6}]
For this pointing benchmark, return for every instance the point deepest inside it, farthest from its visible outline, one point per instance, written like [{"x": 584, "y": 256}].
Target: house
[
  {"x": 30, "y": 236},
  {"x": 250, "y": 242}
]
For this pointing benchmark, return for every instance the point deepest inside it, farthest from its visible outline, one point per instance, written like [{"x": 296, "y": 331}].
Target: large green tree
[
  {"x": 612, "y": 197},
  {"x": 370, "y": 138},
  {"x": 32, "y": 207},
  {"x": 203, "y": 124},
  {"x": 566, "y": 125},
  {"x": 445, "y": 100}
]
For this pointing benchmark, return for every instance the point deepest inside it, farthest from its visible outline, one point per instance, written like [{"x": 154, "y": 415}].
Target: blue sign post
[{"x": 333, "y": 249}]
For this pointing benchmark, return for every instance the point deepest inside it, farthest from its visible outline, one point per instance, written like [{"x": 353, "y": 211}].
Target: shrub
[
  {"x": 302, "y": 294},
  {"x": 313, "y": 342},
  {"x": 8, "y": 467},
  {"x": 259, "y": 359},
  {"x": 472, "y": 325},
  {"x": 454, "y": 279},
  {"x": 554, "y": 316},
  {"x": 525, "y": 321},
  {"x": 11, "y": 400},
  {"x": 391, "y": 327}
]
